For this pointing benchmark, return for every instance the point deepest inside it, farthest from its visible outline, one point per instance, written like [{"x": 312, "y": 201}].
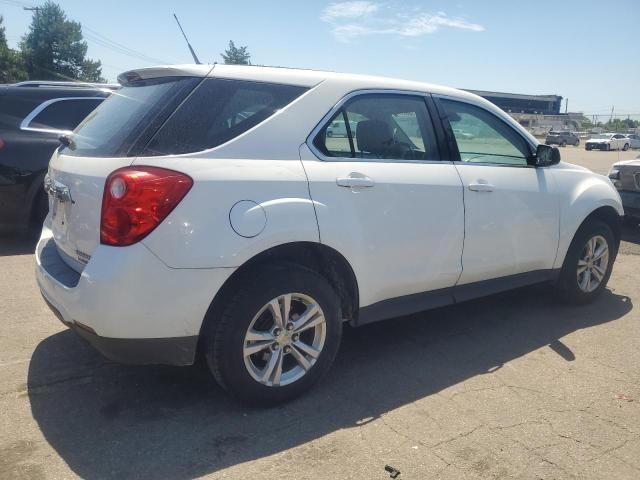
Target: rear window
[
  {"x": 63, "y": 114},
  {"x": 218, "y": 111},
  {"x": 125, "y": 122}
]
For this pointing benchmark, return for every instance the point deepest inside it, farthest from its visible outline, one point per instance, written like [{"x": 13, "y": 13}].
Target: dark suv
[
  {"x": 562, "y": 138},
  {"x": 32, "y": 117}
]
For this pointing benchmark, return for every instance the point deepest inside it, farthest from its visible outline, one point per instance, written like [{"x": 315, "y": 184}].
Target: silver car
[{"x": 634, "y": 140}]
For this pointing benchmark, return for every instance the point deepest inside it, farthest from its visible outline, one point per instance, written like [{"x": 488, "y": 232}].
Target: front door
[
  {"x": 384, "y": 198},
  {"x": 511, "y": 222}
]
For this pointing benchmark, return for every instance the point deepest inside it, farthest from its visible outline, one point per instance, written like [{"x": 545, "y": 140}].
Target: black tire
[
  {"x": 563, "y": 143},
  {"x": 329, "y": 133},
  {"x": 577, "y": 144},
  {"x": 608, "y": 147},
  {"x": 568, "y": 288},
  {"x": 626, "y": 147},
  {"x": 224, "y": 337}
]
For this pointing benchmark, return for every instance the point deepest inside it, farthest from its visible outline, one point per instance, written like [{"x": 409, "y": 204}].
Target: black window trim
[
  {"x": 26, "y": 122},
  {"x": 453, "y": 145},
  {"x": 324, "y": 122}
]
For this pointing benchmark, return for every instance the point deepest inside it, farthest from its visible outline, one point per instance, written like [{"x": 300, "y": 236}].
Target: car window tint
[
  {"x": 381, "y": 127},
  {"x": 217, "y": 111},
  {"x": 64, "y": 114},
  {"x": 484, "y": 138},
  {"x": 129, "y": 117}
]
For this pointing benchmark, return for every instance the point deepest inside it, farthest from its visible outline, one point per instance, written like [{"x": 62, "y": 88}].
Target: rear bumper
[
  {"x": 630, "y": 203},
  {"x": 127, "y": 303},
  {"x": 137, "y": 351}
]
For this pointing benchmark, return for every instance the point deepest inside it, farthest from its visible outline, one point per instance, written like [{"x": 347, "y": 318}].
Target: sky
[{"x": 587, "y": 51}]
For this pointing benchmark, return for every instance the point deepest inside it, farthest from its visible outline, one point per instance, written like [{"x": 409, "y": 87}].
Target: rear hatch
[{"x": 107, "y": 140}]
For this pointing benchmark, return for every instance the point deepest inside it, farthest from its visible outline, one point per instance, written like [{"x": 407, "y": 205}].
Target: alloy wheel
[
  {"x": 284, "y": 339},
  {"x": 593, "y": 263}
]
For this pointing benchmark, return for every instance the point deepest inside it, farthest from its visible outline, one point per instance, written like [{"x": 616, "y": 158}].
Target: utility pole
[
  {"x": 31, "y": 9},
  {"x": 611, "y": 117},
  {"x": 566, "y": 106}
]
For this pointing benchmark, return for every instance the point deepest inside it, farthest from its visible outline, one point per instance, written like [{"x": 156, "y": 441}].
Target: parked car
[
  {"x": 562, "y": 138},
  {"x": 625, "y": 176},
  {"x": 634, "y": 140},
  {"x": 32, "y": 117},
  {"x": 608, "y": 141},
  {"x": 174, "y": 231},
  {"x": 339, "y": 129}
]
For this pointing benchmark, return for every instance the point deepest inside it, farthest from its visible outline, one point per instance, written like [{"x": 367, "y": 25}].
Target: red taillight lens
[{"x": 136, "y": 200}]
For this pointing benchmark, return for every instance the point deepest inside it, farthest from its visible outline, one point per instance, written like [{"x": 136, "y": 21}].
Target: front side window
[
  {"x": 380, "y": 127},
  {"x": 63, "y": 114},
  {"x": 484, "y": 138}
]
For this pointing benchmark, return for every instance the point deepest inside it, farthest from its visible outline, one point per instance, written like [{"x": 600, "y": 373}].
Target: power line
[{"x": 106, "y": 42}]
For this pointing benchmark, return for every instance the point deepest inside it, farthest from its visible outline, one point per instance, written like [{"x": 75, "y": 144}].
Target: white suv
[{"x": 205, "y": 209}]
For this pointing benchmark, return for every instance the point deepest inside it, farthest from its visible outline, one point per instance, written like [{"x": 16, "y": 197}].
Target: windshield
[{"x": 127, "y": 120}]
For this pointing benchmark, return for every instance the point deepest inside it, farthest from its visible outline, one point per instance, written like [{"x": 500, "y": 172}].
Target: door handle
[
  {"x": 481, "y": 187},
  {"x": 355, "y": 180}
]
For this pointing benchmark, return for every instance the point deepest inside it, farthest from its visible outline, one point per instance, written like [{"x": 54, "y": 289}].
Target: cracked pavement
[{"x": 511, "y": 386}]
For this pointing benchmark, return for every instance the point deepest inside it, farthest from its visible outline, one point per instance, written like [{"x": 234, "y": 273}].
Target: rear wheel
[
  {"x": 587, "y": 266},
  {"x": 577, "y": 143},
  {"x": 277, "y": 336},
  {"x": 563, "y": 143},
  {"x": 626, "y": 147}
]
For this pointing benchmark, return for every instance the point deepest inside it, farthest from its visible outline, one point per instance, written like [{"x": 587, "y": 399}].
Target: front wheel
[
  {"x": 588, "y": 264},
  {"x": 277, "y": 336}
]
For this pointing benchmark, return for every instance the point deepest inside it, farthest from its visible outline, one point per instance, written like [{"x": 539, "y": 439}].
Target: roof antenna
[{"x": 193, "y": 54}]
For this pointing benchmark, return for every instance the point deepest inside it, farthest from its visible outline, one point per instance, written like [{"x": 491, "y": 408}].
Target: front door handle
[
  {"x": 481, "y": 187},
  {"x": 355, "y": 180}
]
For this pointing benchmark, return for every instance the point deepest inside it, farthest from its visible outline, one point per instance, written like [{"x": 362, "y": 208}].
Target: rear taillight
[{"x": 136, "y": 200}]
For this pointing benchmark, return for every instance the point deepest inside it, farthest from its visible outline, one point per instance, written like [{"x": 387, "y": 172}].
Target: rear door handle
[
  {"x": 481, "y": 187},
  {"x": 355, "y": 180}
]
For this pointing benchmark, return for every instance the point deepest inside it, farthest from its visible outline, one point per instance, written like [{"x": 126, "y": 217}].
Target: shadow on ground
[{"x": 112, "y": 421}]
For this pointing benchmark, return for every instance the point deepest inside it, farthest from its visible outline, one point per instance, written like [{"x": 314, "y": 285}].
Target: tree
[
  {"x": 236, "y": 56},
  {"x": 11, "y": 66},
  {"x": 54, "y": 48}
]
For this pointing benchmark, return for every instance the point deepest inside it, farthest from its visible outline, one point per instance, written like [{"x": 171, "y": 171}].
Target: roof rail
[{"x": 48, "y": 83}]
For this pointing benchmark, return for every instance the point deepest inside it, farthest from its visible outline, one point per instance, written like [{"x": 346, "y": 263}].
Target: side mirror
[{"x": 546, "y": 155}]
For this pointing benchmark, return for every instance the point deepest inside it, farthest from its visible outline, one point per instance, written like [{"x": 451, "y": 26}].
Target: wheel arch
[
  {"x": 321, "y": 258},
  {"x": 605, "y": 213}
]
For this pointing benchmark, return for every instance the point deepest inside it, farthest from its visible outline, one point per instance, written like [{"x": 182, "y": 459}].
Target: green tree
[
  {"x": 11, "y": 66},
  {"x": 54, "y": 49},
  {"x": 236, "y": 56}
]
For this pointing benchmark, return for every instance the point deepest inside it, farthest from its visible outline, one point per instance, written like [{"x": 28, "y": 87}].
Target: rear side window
[
  {"x": 380, "y": 127},
  {"x": 125, "y": 122},
  {"x": 62, "y": 114},
  {"x": 218, "y": 111}
]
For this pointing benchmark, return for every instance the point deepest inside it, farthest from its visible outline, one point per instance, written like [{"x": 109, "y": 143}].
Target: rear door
[
  {"x": 512, "y": 213},
  {"x": 385, "y": 199}
]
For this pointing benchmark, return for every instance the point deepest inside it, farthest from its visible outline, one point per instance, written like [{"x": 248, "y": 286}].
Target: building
[
  {"x": 517, "y": 103},
  {"x": 537, "y": 113}
]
